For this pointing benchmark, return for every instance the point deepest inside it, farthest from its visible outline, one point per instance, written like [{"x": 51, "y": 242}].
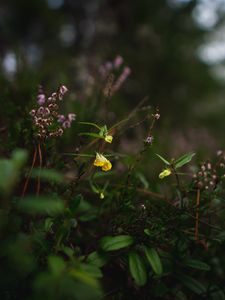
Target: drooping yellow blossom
[
  {"x": 108, "y": 139},
  {"x": 102, "y": 196},
  {"x": 165, "y": 173},
  {"x": 103, "y": 162}
]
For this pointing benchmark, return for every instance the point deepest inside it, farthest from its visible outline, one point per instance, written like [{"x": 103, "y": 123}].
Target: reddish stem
[
  {"x": 40, "y": 166},
  {"x": 29, "y": 174},
  {"x": 197, "y": 216}
]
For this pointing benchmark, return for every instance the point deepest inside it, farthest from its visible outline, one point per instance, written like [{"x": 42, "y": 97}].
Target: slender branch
[
  {"x": 29, "y": 174},
  {"x": 197, "y": 216},
  {"x": 40, "y": 166}
]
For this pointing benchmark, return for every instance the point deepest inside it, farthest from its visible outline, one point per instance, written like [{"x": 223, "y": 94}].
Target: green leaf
[
  {"x": 56, "y": 264},
  {"x": 137, "y": 269},
  {"x": 95, "y": 135},
  {"x": 163, "y": 159},
  {"x": 112, "y": 243},
  {"x": 103, "y": 131},
  {"x": 48, "y": 175},
  {"x": 41, "y": 205},
  {"x": 147, "y": 231},
  {"x": 143, "y": 180},
  {"x": 154, "y": 260},
  {"x": 92, "y": 270},
  {"x": 84, "y": 277},
  {"x": 97, "y": 259},
  {"x": 48, "y": 224},
  {"x": 196, "y": 264},
  {"x": 91, "y": 124},
  {"x": 193, "y": 284},
  {"x": 183, "y": 160},
  {"x": 19, "y": 158}
]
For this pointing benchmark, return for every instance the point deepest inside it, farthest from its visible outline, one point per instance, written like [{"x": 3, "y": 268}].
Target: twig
[
  {"x": 197, "y": 216},
  {"x": 40, "y": 166},
  {"x": 29, "y": 174}
]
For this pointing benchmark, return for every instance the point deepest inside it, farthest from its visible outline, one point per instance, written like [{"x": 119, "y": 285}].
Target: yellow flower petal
[
  {"x": 99, "y": 160},
  {"x": 164, "y": 173},
  {"x": 103, "y": 162},
  {"x": 102, "y": 196},
  {"x": 109, "y": 139},
  {"x": 107, "y": 166}
]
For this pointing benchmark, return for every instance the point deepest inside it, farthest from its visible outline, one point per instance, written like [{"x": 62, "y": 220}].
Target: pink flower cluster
[
  {"x": 110, "y": 68},
  {"x": 46, "y": 118}
]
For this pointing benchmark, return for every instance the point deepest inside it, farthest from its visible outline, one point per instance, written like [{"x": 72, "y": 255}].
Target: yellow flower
[
  {"x": 165, "y": 173},
  {"x": 103, "y": 162},
  {"x": 108, "y": 139},
  {"x": 102, "y": 196}
]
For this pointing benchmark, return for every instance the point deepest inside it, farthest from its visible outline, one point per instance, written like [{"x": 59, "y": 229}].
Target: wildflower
[
  {"x": 165, "y": 173},
  {"x": 63, "y": 89},
  {"x": 149, "y": 140},
  {"x": 108, "y": 139},
  {"x": 66, "y": 124},
  {"x": 103, "y": 162},
  {"x": 47, "y": 114},
  {"x": 71, "y": 117},
  {"x": 118, "y": 61},
  {"x": 157, "y": 116},
  {"x": 102, "y": 196},
  {"x": 61, "y": 118},
  {"x": 41, "y": 99}
]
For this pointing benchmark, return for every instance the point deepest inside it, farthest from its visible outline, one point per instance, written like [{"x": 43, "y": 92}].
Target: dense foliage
[{"x": 91, "y": 224}]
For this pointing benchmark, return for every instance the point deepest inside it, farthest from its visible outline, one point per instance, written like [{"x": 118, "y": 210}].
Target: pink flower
[
  {"x": 71, "y": 117},
  {"x": 41, "y": 99},
  {"x": 118, "y": 61},
  {"x": 61, "y": 118}
]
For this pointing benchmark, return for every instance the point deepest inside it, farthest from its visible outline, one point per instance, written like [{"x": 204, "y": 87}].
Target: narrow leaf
[
  {"x": 183, "y": 160},
  {"x": 91, "y": 124},
  {"x": 96, "y": 135},
  {"x": 163, "y": 159}
]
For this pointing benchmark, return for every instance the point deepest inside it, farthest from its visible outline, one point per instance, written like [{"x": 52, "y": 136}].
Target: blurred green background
[{"x": 175, "y": 49}]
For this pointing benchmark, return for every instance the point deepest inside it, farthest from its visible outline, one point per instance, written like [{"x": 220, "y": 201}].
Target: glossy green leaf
[
  {"x": 112, "y": 243},
  {"x": 154, "y": 260},
  {"x": 183, "y": 160},
  {"x": 137, "y": 269}
]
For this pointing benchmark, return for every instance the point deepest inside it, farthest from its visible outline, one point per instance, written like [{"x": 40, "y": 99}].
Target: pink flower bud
[
  {"x": 61, "y": 118},
  {"x": 66, "y": 124},
  {"x": 71, "y": 117},
  {"x": 63, "y": 89},
  {"x": 41, "y": 99},
  {"x": 118, "y": 61}
]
